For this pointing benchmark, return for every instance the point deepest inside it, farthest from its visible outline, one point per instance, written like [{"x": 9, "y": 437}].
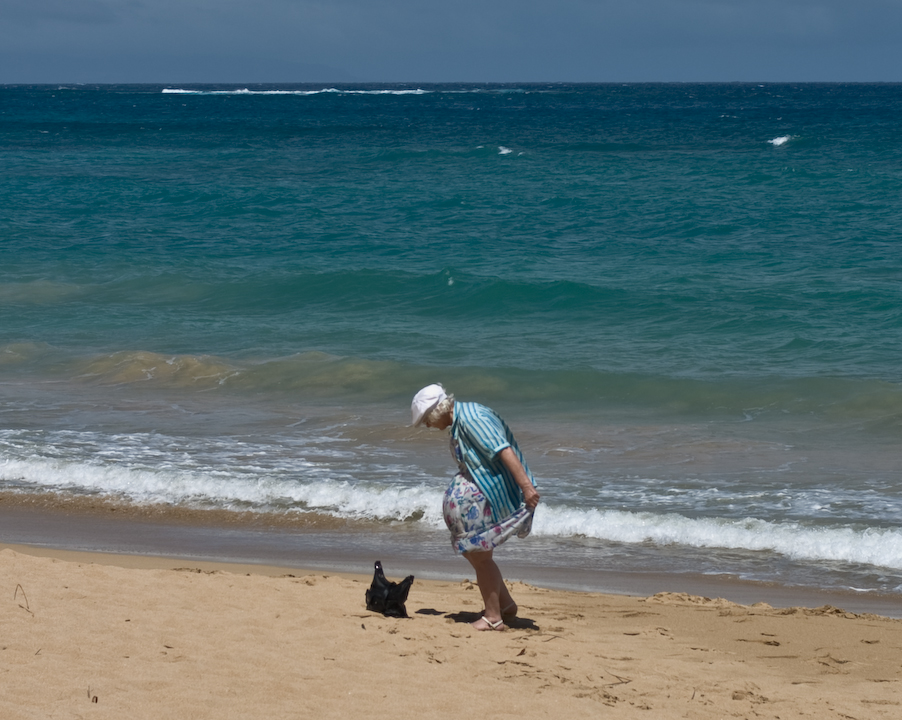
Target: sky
[{"x": 357, "y": 41}]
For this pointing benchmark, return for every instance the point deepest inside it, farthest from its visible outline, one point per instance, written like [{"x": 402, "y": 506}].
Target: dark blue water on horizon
[{"x": 685, "y": 299}]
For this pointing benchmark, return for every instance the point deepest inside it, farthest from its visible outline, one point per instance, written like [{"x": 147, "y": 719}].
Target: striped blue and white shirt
[{"x": 478, "y": 434}]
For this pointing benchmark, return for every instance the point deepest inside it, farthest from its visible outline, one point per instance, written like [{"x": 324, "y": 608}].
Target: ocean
[{"x": 685, "y": 299}]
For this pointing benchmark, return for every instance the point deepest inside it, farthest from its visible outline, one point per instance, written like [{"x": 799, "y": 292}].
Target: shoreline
[
  {"x": 96, "y": 527},
  {"x": 213, "y": 641}
]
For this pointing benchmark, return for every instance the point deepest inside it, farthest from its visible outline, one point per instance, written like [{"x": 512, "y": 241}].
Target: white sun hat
[{"x": 424, "y": 401}]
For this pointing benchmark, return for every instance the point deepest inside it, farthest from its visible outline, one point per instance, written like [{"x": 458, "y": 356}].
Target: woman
[{"x": 490, "y": 499}]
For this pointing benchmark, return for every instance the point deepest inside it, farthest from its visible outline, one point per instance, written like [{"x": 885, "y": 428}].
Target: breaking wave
[{"x": 259, "y": 490}]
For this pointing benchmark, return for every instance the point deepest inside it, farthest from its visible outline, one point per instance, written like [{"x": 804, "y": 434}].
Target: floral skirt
[{"x": 468, "y": 516}]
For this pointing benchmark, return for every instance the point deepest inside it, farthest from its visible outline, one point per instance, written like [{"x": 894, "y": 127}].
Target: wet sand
[
  {"x": 113, "y": 636},
  {"x": 323, "y": 543}
]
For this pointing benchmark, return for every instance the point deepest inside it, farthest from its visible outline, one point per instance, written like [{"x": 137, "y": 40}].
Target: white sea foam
[
  {"x": 871, "y": 546},
  {"x": 261, "y": 492},
  {"x": 503, "y": 150},
  {"x": 777, "y": 141}
]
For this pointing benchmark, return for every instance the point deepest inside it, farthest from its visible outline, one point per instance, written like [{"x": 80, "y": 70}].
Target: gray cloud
[{"x": 428, "y": 40}]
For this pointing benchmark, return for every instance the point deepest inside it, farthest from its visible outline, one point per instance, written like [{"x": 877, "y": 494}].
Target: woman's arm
[{"x": 512, "y": 463}]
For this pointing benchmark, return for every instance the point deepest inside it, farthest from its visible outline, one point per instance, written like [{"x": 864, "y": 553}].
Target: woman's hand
[
  {"x": 531, "y": 497},
  {"x": 512, "y": 462}
]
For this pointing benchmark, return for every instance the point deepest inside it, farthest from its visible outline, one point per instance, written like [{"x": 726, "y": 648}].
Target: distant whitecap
[
  {"x": 503, "y": 150},
  {"x": 777, "y": 141},
  {"x": 246, "y": 91}
]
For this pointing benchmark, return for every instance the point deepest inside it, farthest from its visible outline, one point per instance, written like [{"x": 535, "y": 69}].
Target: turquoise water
[{"x": 685, "y": 299}]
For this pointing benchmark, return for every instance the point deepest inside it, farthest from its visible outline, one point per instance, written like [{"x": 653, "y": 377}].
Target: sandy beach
[{"x": 117, "y": 636}]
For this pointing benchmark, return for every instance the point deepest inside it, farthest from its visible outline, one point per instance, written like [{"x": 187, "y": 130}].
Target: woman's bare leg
[
  {"x": 508, "y": 604},
  {"x": 491, "y": 586}
]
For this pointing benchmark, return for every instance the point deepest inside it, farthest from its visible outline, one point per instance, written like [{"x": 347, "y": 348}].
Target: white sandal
[{"x": 493, "y": 625}]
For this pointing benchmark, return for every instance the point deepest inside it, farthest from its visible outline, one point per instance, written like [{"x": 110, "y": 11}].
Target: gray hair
[{"x": 443, "y": 407}]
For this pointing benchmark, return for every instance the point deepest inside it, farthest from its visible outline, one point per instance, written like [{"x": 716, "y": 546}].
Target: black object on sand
[{"x": 388, "y": 597}]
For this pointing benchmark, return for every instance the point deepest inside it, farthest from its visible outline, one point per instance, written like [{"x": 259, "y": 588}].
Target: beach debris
[
  {"x": 620, "y": 680},
  {"x": 772, "y": 643},
  {"x": 386, "y": 596},
  {"x": 25, "y": 607},
  {"x": 551, "y": 637}
]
